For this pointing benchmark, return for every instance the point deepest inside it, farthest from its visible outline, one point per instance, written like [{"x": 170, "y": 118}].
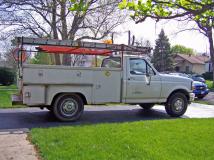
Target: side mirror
[{"x": 148, "y": 75}]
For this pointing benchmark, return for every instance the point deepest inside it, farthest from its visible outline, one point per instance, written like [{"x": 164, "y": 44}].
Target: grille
[{"x": 200, "y": 88}]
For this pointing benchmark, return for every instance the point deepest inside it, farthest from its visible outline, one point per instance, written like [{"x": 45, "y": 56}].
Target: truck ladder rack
[{"x": 80, "y": 44}]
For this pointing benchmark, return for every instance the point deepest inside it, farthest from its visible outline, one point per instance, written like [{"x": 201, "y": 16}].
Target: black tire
[
  {"x": 68, "y": 107},
  {"x": 147, "y": 106},
  {"x": 176, "y": 105}
]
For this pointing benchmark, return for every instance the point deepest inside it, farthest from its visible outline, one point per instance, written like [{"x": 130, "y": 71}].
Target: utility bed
[{"x": 42, "y": 82}]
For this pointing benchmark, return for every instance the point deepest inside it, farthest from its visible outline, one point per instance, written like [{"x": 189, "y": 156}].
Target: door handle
[{"x": 131, "y": 78}]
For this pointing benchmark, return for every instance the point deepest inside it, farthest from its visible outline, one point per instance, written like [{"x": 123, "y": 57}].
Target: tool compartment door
[
  {"x": 107, "y": 86},
  {"x": 34, "y": 95}
]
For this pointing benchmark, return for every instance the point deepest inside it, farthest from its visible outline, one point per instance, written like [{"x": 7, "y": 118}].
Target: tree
[
  {"x": 7, "y": 76},
  {"x": 54, "y": 19},
  {"x": 182, "y": 49},
  {"x": 42, "y": 58},
  {"x": 7, "y": 56},
  {"x": 142, "y": 42},
  {"x": 10, "y": 59},
  {"x": 201, "y": 12},
  {"x": 162, "y": 58}
]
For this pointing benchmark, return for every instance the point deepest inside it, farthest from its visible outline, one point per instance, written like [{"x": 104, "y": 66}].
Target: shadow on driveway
[{"x": 34, "y": 118}]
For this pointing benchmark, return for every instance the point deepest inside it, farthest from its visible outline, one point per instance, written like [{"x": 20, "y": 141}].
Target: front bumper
[
  {"x": 191, "y": 97},
  {"x": 201, "y": 92}
]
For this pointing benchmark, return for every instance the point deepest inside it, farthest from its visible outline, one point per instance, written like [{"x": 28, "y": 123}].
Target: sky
[{"x": 149, "y": 30}]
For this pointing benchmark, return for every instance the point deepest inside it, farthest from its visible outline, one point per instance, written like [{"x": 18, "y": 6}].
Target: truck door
[{"x": 142, "y": 84}]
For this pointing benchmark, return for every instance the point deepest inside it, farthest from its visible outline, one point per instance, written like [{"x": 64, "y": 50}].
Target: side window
[
  {"x": 112, "y": 62},
  {"x": 137, "y": 66},
  {"x": 140, "y": 67}
]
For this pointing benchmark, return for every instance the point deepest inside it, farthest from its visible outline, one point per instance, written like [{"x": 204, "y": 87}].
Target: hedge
[
  {"x": 208, "y": 75},
  {"x": 7, "y": 76}
]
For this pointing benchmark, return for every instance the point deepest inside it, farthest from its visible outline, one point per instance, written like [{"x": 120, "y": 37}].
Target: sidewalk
[{"x": 15, "y": 146}]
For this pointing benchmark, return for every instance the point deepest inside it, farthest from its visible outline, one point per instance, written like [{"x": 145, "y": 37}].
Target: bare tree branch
[{"x": 53, "y": 19}]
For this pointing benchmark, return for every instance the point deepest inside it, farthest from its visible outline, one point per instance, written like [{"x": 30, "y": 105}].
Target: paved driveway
[
  {"x": 27, "y": 118},
  {"x": 209, "y": 98}
]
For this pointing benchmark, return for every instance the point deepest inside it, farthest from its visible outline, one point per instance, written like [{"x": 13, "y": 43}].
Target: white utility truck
[{"x": 129, "y": 79}]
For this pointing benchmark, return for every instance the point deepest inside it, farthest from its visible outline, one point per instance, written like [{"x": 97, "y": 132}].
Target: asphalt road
[{"x": 27, "y": 118}]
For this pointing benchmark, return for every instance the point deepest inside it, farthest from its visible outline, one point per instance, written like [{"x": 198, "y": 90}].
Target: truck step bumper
[{"x": 16, "y": 99}]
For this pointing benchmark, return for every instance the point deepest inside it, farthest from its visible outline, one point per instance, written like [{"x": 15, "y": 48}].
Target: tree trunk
[
  {"x": 112, "y": 38},
  {"x": 63, "y": 20},
  {"x": 54, "y": 28},
  {"x": 210, "y": 38},
  {"x": 133, "y": 40},
  {"x": 129, "y": 37},
  {"x": 66, "y": 60}
]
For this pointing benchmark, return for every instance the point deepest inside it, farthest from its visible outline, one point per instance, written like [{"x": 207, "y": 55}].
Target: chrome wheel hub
[
  {"x": 178, "y": 105},
  {"x": 69, "y": 107}
]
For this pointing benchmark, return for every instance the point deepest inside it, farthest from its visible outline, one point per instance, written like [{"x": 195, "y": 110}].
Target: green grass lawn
[
  {"x": 8, "y": 87},
  {"x": 5, "y": 96},
  {"x": 209, "y": 84},
  {"x": 176, "y": 139}
]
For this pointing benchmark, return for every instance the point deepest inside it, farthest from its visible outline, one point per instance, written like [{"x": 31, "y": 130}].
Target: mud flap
[{"x": 16, "y": 99}]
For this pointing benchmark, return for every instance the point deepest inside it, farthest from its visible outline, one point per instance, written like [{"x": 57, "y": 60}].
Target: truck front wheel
[
  {"x": 176, "y": 105},
  {"x": 68, "y": 107},
  {"x": 147, "y": 106}
]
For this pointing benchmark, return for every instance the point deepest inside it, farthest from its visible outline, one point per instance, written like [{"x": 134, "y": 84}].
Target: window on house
[
  {"x": 177, "y": 69},
  {"x": 187, "y": 69}
]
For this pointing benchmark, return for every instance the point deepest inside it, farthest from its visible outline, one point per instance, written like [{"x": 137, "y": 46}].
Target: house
[
  {"x": 208, "y": 66},
  {"x": 190, "y": 63}
]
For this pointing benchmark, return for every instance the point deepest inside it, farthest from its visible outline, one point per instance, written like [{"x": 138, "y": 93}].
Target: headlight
[{"x": 192, "y": 86}]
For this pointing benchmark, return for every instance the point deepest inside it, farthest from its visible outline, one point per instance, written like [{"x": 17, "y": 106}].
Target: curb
[{"x": 14, "y": 131}]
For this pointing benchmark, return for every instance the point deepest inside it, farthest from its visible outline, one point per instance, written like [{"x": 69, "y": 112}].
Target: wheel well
[
  {"x": 180, "y": 91},
  {"x": 79, "y": 94}
]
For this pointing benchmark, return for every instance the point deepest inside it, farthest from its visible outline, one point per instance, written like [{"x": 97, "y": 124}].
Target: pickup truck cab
[{"x": 132, "y": 80}]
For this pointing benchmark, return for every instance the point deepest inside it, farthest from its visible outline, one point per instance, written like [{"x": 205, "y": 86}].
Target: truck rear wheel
[
  {"x": 68, "y": 107},
  {"x": 147, "y": 106},
  {"x": 176, "y": 105}
]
